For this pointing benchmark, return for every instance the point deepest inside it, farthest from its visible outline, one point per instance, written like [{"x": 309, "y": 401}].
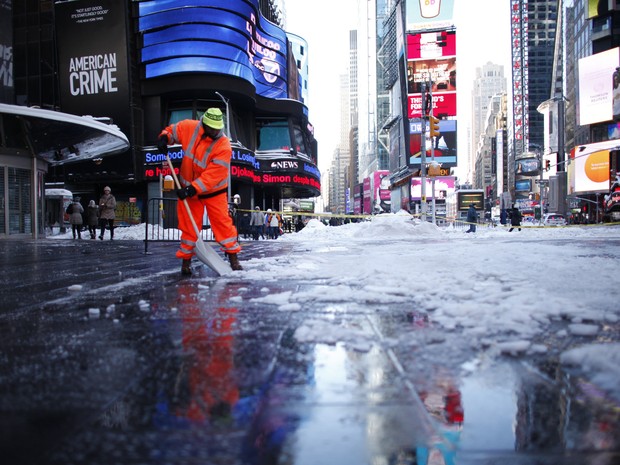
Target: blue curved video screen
[{"x": 214, "y": 36}]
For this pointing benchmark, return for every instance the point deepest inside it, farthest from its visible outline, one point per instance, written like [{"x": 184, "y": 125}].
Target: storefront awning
[{"x": 60, "y": 138}]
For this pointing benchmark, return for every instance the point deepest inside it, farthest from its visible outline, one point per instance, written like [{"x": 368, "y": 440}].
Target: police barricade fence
[{"x": 162, "y": 222}]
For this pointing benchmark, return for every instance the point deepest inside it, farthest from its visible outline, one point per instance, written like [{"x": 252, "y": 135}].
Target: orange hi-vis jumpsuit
[{"x": 205, "y": 166}]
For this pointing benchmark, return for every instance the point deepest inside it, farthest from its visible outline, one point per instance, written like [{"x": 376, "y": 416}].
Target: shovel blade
[{"x": 210, "y": 257}]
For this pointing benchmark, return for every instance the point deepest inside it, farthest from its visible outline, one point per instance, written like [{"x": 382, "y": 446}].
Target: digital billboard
[
  {"x": 429, "y": 14},
  {"x": 228, "y": 37},
  {"x": 444, "y": 146},
  {"x": 592, "y": 172},
  {"x": 431, "y": 56},
  {"x": 7, "y": 86},
  {"x": 527, "y": 166},
  {"x": 499, "y": 159},
  {"x": 598, "y": 7},
  {"x": 596, "y": 87},
  {"x": 92, "y": 55},
  {"x": 444, "y": 186},
  {"x": 523, "y": 185}
]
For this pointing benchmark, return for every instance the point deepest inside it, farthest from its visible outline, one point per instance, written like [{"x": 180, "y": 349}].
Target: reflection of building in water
[
  {"x": 538, "y": 419},
  {"x": 562, "y": 413}
]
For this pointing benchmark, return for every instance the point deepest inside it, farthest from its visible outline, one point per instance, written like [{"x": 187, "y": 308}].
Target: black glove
[
  {"x": 188, "y": 191},
  {"x": 162, "y": 143}
]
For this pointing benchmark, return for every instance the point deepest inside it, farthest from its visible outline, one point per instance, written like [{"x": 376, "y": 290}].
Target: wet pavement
[{"x": 109, "y": 356}]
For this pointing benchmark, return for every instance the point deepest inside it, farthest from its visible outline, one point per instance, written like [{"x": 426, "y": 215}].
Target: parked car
[{"x": 553, "y": 219}]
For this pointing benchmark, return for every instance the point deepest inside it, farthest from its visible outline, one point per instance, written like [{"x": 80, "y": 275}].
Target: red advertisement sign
[{"x": 431, "y": 57}]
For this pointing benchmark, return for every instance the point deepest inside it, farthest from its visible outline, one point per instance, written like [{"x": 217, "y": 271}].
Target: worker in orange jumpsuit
[{"x": 204, "y": 183}]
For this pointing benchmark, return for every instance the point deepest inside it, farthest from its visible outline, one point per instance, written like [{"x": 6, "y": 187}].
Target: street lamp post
[{"x": 225, "y": 100}]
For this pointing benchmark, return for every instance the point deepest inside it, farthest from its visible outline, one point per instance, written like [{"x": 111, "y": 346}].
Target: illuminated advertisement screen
[
  {"x": 523, "y": 185},
  {"x": 526, "y": 166},
  {"x": 444, "y": 146},
  {"x": 592, "y": 172},
  {"x": 93, "y": 70},
  {"x": 444, "y": 186},
  {"x": 465, "y": 199},
  {"x": 218, "y": 36},
  {"x": 598, "y": 86},
  {"x": 7, "y": 87},
  {"x": 432, "y": 56},
  {"x": 499, "y": 153},
  {"x": 598, "y": 7},
  {"x": 429, "y": 14}
]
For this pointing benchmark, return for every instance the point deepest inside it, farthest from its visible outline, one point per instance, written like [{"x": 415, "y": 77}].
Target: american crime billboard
[
  {"x": 227, "y": 37},
  {"x": 431, "y": 56},
  {"x": 7, "y": 86},
  {"x": 92, "y": 52}
]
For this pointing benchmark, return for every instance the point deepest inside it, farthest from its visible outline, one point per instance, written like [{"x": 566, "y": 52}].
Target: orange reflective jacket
[{"x": 206, "y": 162}]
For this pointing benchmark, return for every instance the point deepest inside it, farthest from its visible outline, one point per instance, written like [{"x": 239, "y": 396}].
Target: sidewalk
[{"x": 110, "y": 356}]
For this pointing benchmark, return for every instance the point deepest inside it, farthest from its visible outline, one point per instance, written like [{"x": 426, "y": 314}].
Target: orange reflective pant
[{"x": 222, "y": 225}]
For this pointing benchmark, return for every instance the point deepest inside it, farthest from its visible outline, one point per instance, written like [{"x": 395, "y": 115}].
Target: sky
[
  {"x": 488, "y": 294},
  {"x": 483, "y": 34}
]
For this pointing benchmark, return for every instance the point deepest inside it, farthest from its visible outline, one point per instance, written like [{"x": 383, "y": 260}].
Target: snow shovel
[{"x": 205, "y": 254}]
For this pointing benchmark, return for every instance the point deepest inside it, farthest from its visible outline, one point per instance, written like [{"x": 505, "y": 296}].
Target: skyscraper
[
  {"x": 533, "y": 31},
  {"x": 489, "y": 81}
]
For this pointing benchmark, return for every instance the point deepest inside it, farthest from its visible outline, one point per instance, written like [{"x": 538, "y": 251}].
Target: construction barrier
[{"x": 162, "y": 223}]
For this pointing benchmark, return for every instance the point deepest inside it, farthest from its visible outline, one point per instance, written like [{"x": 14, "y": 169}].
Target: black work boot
[
  {"x": 234, "y": 261},
  {"x": 186, "y": 268}
]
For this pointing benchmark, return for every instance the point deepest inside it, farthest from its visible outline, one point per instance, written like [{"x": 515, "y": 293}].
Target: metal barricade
[{"x": 162, "y": 222}]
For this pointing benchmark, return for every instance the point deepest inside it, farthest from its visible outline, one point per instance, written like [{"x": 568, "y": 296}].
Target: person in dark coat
[
  {"x": 472, "y": 218},
  {"x": 92, "y": 218},
  {"x": 76, "y": 218},
  {"x": 515, "y": 218}
]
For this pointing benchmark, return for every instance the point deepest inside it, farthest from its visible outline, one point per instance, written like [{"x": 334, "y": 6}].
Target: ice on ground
[
  {"x": 601, "y": 362},
  {"x": 493, "y": 288}
]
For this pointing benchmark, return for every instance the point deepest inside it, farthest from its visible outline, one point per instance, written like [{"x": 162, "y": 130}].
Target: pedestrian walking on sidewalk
[
  {"x": 472, "y": 218},
  {"x": 275, "y": 223},
  {"x": 204, "y": 183},
  {"x": 92, "y": 218},
  {"x": 75, "y": 218},
  {"x": 515, "y": 218},
  {"x": 256, "y": 223},
  {"x": 107, "y": 214}
]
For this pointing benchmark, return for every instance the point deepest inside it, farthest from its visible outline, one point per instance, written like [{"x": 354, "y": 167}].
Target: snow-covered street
[{"x": 385, "y": 341}]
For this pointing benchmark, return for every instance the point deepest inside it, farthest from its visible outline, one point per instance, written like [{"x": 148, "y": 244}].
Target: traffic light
[
  {"x": 434, "y": 126},
  {"x": 547, "y": 165}
]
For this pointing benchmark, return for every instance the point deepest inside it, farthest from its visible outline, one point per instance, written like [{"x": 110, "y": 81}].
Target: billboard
[
  {"x": 429, "y": 14},
  {"x": 431, "y": 56},
  {"x": 527, "y": 166},
  {"x": 592, "y": 172},
  {"x": 499, "y": 159},
  {"x": 227, "y": 37},
  {"x": 597, "y": 87},
  {"x": 444, "y": 186},
  {"x": 93, "y": 70},
  {"x": 7, "y": 86},
  {"x": 523, "y": 185},
  {"x": 599, "y": 7},
  {"x": 445, "y": 145}
]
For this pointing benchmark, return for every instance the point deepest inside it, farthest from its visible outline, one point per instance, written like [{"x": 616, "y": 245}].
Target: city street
[{"x": 383, "y": 342}]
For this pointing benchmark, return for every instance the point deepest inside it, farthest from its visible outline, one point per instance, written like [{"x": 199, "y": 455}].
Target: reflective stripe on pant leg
[
  {"x": 188, "y": 234},
  {"x": 222, "y": 225}
]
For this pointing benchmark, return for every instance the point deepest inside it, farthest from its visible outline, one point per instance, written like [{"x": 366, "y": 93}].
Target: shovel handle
[{"x": 178, "y": 184}]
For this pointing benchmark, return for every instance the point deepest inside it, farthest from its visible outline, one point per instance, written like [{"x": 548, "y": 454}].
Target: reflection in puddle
[{"x": 490, "y": 413}]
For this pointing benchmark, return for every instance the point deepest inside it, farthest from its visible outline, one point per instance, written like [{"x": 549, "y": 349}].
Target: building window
[{"x": 273, "y": 135}]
